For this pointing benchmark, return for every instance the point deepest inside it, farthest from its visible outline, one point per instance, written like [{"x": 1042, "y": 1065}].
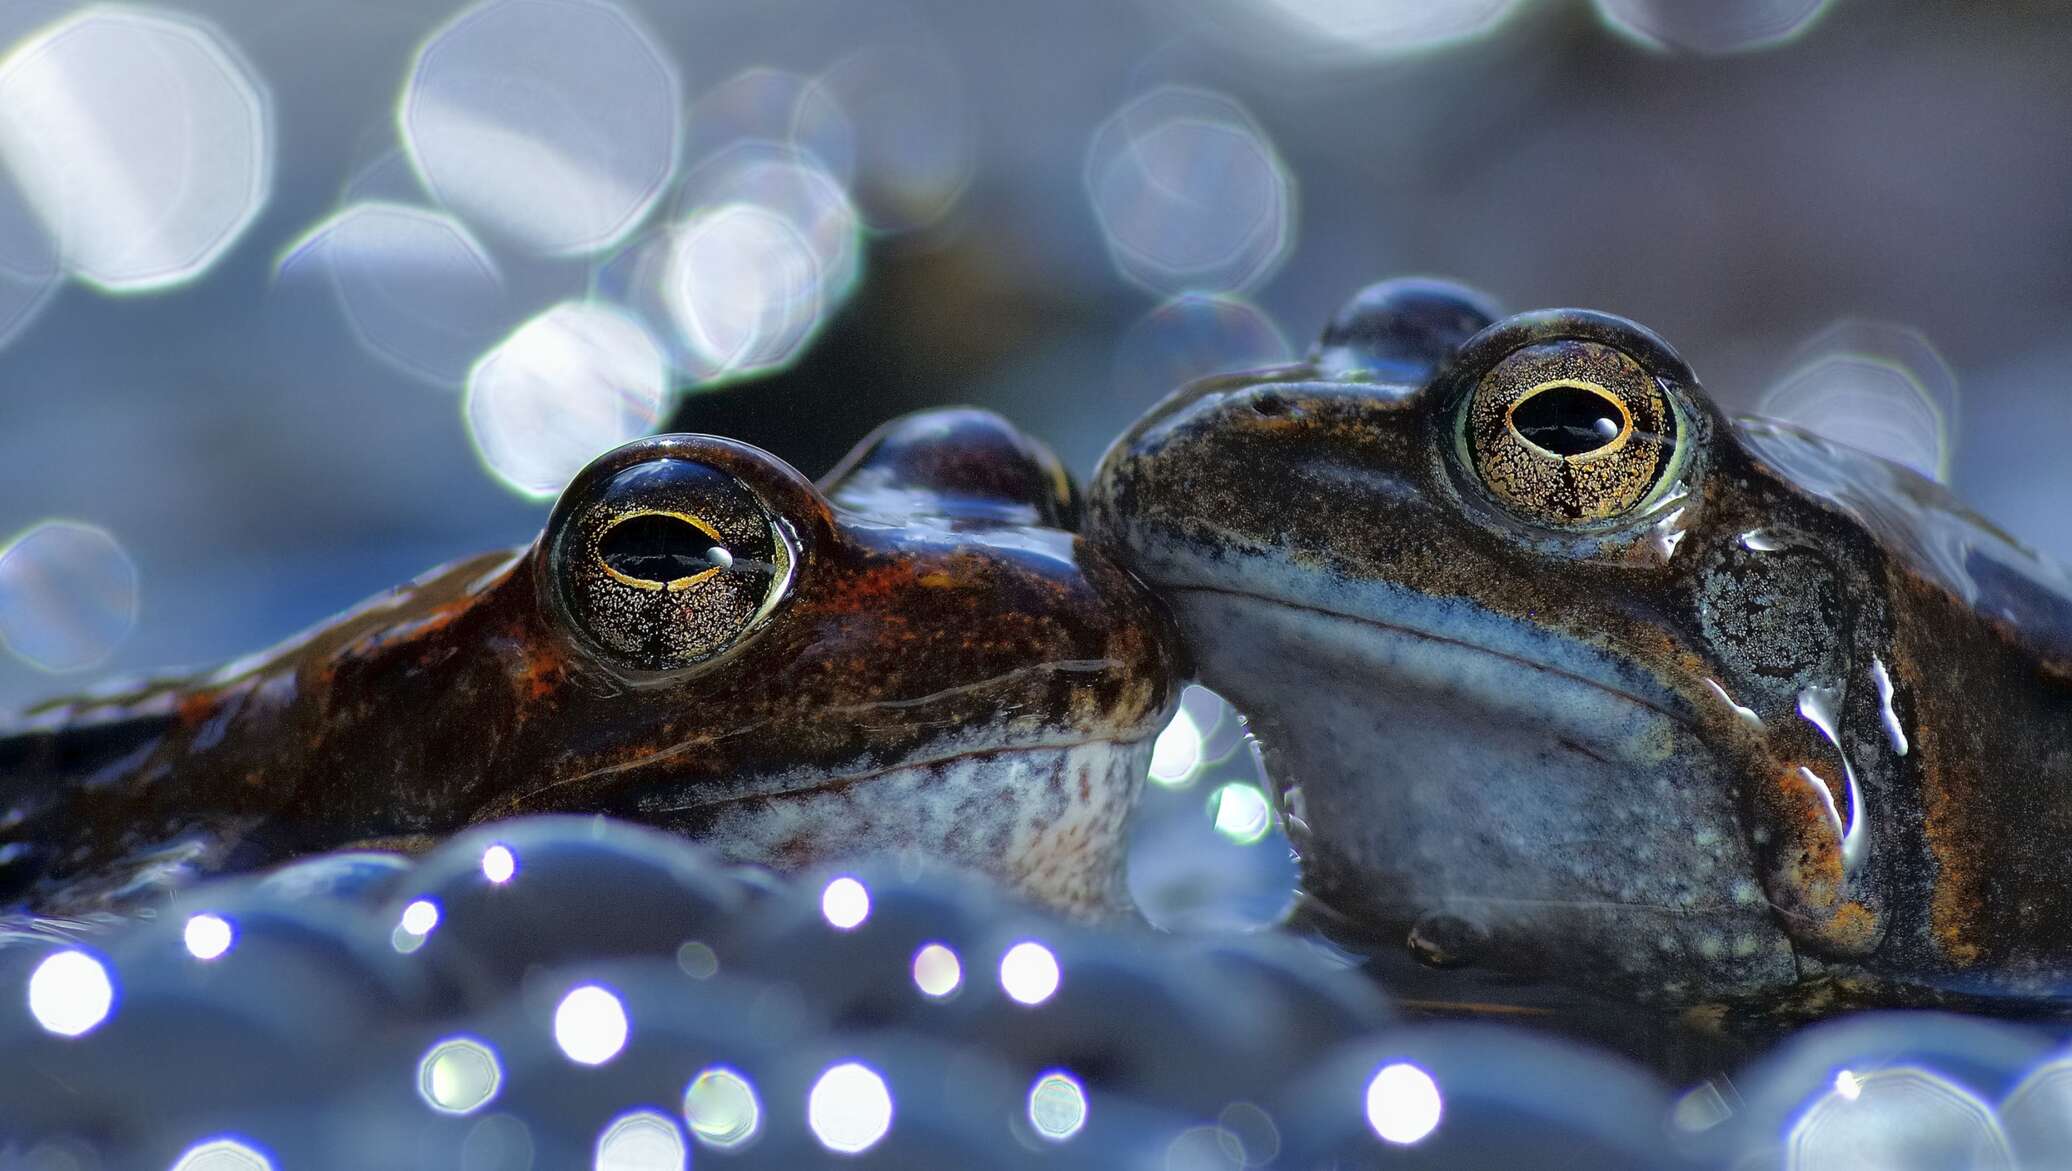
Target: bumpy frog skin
[
  {"x": 916, "y": 655},
  {"x": 1564, "y": 675}
]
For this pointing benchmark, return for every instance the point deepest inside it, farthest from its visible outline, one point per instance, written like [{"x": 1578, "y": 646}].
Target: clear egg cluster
[{"x": 576, "y": 992}]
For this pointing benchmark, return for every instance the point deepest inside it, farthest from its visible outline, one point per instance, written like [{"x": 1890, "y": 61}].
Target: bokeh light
[
  {"x": 552, "y": 122},
  {"x": 590, "y": 1025},
  {"x": 570, "y": 384},
  {"x": 2036, "y": 1115},
  {"x": 139, "y": 139},
  {"x": 1176, "y": 754},
  {"x": 1403, "y": 1103},
  {"x": 1029, "y": 972},
  {"x": 1711, "y": 26},
  {"x": 937, "y": 971},
  {"x": 850, "y": 1108},
  {"x": 1193, "y": 336},
  {"x": 415, "y": 287},
  {"x": 223, "y": 1154},
  {"x": 1345, "y": 32},
  {"x": 498, "y": 864},
  {"x": 68, "y": 596},
  {"x": 70, "y": 993},
  {"x": 641, "y": 1140},
  {"x": 1241, "y": 812},
  {"x": 1875, "y": 386},
  {"x": 772, "y": 106},
  {"x": 904, "y": 116},
  {"x": 768, "y": 245},
  {"x": 208, "y": 936},
  {"x": 845, "y": 903},
  {"x": 721, "y": 1108},
  {"x": 1057, "y": 1106},
  {"x": 1189, "y": 193},
  {"x": 459, "y": 1075},
  {"x": 1897, "y": 1119},
  {"x": 29, "y": 268}
]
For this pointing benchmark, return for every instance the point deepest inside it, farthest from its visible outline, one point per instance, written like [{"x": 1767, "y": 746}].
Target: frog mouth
[{"x": 1524, "y": 654}]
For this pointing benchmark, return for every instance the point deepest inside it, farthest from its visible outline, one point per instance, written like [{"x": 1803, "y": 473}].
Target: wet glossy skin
[
  {"x": 916, "y": 654},
  {"x": 1733, "y": 716}
]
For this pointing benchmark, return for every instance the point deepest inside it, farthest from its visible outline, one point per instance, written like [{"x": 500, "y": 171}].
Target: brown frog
[
  {"x": 1564, "y": 676},
  {"x": 916, "y": 654}
]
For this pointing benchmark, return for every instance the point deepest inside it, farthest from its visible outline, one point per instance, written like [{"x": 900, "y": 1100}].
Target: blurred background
[{"x": 298, "y": 299}]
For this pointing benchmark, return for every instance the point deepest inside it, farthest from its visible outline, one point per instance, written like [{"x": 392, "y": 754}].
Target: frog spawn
[{"x": 593, "y": 991}]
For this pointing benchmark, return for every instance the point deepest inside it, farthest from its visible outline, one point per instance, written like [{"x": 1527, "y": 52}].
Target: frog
[
  {"x": 1568, "y": 680},
  {"x": 916, "y": 655}
]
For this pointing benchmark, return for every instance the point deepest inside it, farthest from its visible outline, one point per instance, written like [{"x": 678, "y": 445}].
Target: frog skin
[
  {"x": 1605, "y": 689},
  {"x": 915, "y": 655}
]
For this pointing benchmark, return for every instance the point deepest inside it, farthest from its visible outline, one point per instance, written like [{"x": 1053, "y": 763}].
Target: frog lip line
[
  {"x": 837, "y": 782},
  {"x": 1446, "y": 640}
]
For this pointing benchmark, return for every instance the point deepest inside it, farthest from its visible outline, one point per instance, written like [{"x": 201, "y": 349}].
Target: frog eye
[
  {"x": 1569, "y": 432},
  {"x": 666, "y": 564}
]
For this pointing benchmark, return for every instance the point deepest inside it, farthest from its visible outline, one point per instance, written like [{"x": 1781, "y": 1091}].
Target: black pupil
[
  {"x": 658, "y": 548},
  {"x": 1567, "y": 420}
]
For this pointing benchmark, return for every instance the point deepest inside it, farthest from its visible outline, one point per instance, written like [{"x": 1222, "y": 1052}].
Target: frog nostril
[
  {"x": 655, "y": 549},
  {"x": 1270, "y": 404},
  {"x": 1569, "y": 420}
]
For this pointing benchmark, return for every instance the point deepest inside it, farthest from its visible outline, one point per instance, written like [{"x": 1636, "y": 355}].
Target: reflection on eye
[{"x": 1569, "y": 432}]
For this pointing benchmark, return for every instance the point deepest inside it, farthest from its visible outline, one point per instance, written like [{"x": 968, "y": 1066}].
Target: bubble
[
  {"x": 1242, "y": 813},
  {"x": 1897, "y": 1119},
  {"x": 140, "y": 141},
  {"x": 590, "y": 1025},
  {"x": 1191, "y": 337},
  {"x": 222, "y": 1154},
  {"x": 568, "y": 385},
  {"x": 208, "y": 936},
  {"x": 849, "y": 1108},
  {"x": 416, "y": 288},
  {"x": 1057, "y": 1106},
  {"x": 68, "y": 596},
  {"x": 937, "y": 971},
  {"x": 498, "y": 865},
  {"x": 721, "y": 1107},
  {"x": 1403, "y": 1103},
  {"x": 459, "y": 1075},
  {"x": 1875, "y": 386},
  {"x": 1029, "y": 972},
  {"x": 903, "y": 113},
  {"x": 642, "y": 1140},
  {"x": 1189, "y": 193},
  {"x": 1711, "y": 26},
  {"x": 845, "y": 903},
  {"x": 553, "y": 122},
  {"x": 70, "y": 993}
]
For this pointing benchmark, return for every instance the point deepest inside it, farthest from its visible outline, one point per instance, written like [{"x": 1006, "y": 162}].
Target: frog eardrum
[
  {"x": 666, "y": 563},
  {"x": 1569, "y": 432}
]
